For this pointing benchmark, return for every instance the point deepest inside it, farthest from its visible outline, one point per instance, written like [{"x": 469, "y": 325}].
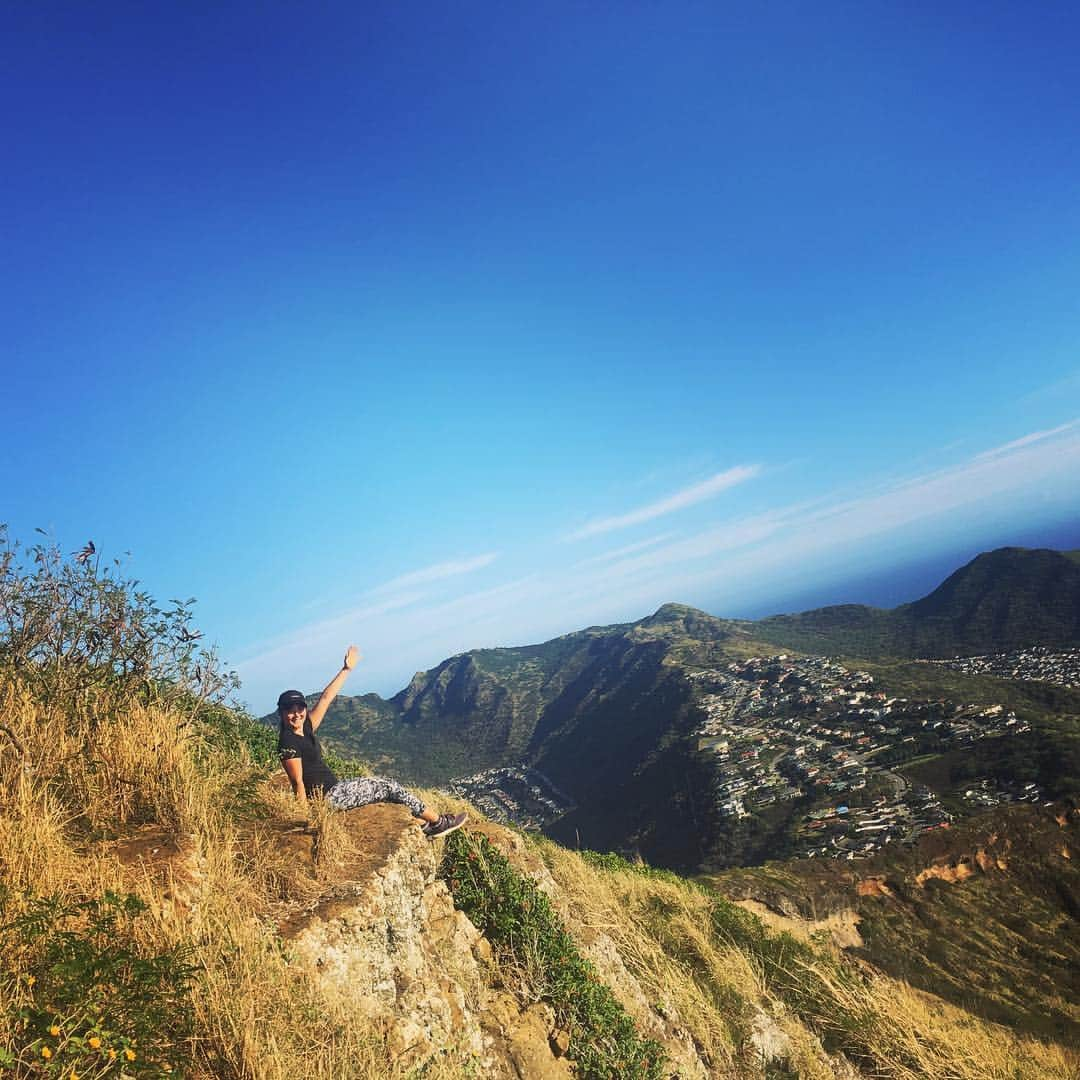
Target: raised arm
[{"x": 352, "y": 658}]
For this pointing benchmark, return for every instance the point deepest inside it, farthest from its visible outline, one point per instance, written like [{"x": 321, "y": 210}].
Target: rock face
[
  {"x": 389, "y": 946},
  {"x": 393, "y": 945}
]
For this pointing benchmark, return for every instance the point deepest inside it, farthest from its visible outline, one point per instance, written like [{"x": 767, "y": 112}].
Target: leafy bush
[
  {"x": 91, "y": 1001},
  {"x": 228, "y": 728},
  {"x": 344, "y": 766},
  {"x": 519, "y": 921},
  {"x": 70, "y": 625}
]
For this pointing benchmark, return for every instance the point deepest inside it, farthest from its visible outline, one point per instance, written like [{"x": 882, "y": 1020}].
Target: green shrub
[
  {"x": 90, "y": 1001},
  {"x": 70, "y": 625},
  {"x": 227, "y": 728},
  {"x": 343, "y": 766},
  {"x": 518, "y": 920}
]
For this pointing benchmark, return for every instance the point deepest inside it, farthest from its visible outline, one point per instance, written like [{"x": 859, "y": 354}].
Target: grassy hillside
[
  {"x": 219, "y": 970},
  {"x": 985, "y": 915},
  {"x": 117, "y": 781}
]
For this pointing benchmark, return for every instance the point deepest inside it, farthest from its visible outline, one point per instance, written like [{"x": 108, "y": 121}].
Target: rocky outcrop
[
  {"x": 842, "y": 927},
  {"x": 873, "y": 886},
  {"x": 389, "y": 942},
  {"x": 393, "y": 945},
  {"x": 964, "y": 867}
]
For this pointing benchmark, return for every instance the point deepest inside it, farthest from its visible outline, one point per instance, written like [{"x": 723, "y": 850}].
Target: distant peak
[
  {"x": 680, "y": 620},
  {"x": 1005, "y": 553},
  {"x": 669, "y": 612},
  {"x": 1023, "y": 554}
]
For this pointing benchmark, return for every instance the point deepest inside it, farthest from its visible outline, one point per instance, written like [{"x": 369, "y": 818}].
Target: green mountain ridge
[
  {"x": 1005, "y": 599},
  {"x": 609, "y": 713},
  {"x": 489, "y": 707}
]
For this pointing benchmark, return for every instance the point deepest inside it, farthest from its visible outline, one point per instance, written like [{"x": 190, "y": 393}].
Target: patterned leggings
[{"x": 364, "y": 790}]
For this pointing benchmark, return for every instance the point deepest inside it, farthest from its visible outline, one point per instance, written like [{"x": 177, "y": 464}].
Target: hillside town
[
  {"x": 782, "y": 728},
  {"x": 514, "y": 795},
  {"x": 1037, "y": 664},
  {"x": 985, "y": 793}
]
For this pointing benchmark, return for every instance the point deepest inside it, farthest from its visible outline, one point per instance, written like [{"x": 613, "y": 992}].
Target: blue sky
[{"x": 440, "y": 326}]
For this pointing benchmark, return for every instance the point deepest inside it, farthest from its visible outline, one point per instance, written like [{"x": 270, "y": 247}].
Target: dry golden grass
[
  {"x": 257, "y": 1017},
  {"x": 922, "y": 1036},
  {"x": 72, "y": 783},
  {"x": 66, "y": 780},
  {"x": 662, "y": 931},
  {"x": 34, "y": 853}
]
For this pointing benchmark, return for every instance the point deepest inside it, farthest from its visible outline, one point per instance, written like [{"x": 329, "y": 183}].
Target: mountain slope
[
  {"x": 609, "y": 714},
  {"x": 493, "y": 706},
  {"x": 487, "y": 954},
  {"x": 986, "y": 914},
  {"x": 1001, "y": 600},
  {"x": 605, "y": 713}
]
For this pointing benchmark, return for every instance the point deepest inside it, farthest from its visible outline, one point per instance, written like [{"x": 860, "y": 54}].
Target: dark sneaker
[{"x": 447, "y": 823}]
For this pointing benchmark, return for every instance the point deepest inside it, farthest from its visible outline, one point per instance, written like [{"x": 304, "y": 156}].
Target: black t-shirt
[{"x": 317, "y": 775}]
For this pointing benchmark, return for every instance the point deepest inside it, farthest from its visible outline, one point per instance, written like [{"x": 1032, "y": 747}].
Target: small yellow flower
[
  {"x": 93, "y": 1042},
  {"x": 129, "y": 1054},
  {"x": 74, "y": 1075},
  {"x": 54, "y": 1030},
  {"x": 112, "y": 1055},
  {"x": 30, "y": 980},
  {"x": 46, "y": 1053}
]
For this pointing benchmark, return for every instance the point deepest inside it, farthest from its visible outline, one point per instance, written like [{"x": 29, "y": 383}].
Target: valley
[{"x": 700, "y": 743}]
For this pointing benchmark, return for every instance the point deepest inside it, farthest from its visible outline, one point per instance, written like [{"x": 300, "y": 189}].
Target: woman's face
[{"x": 294, "y": 715}]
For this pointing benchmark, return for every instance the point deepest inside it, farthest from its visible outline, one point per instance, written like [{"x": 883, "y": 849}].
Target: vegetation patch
[
  {"x": 827, "y": 993},
  {"x": 90, "y": 1001},
  {"x": 606, "y": 860},
  {"x": 518, "y": 920}
]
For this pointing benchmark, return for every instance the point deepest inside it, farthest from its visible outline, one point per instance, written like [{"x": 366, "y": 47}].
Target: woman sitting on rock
[{"x": 301, "y": 755}]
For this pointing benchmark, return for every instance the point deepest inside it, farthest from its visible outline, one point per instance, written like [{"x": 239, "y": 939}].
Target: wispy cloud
[
  {"x": 1035, "y": 436},
  {"x": 680, "y": 500},
  {"x": 437, "y": 572},
  {"x": 1059, "y": 390},
  {"x": 342, "y": 623},
  {"x": 741, "y": 552},
  {"x": 623, "y": 552}
]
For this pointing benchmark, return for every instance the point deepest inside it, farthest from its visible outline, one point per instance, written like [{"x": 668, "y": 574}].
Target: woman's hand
[{"x": 352, "y": 658}]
